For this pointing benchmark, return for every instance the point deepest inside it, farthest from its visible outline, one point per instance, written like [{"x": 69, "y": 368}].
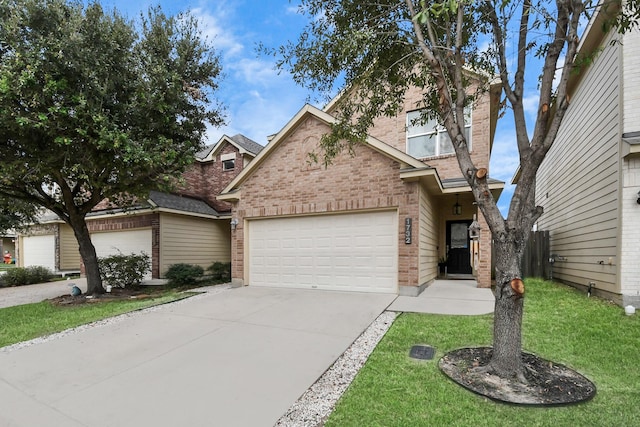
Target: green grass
[
  {"x": 28, "y": 321},
  {"x": 560, "y": 324}
]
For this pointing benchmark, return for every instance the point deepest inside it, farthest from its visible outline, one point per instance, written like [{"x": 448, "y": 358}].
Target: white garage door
[
  {"x": 350, "y": 252},
  {"x": 126, "y": 242},
  {"x": 39, "y": 250}
]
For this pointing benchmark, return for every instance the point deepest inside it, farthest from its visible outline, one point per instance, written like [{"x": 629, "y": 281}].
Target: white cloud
[
  {"x": 254, "y": 71},
  {"x": 558, "y": 73},
  {"x": 221, "y": 36},
  {"x": 530, "y": 105}
]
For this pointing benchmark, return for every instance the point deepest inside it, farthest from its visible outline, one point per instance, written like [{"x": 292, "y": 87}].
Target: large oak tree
[
  {"x": 373, "y": 51},
  {"x": 95, "y": 106}
]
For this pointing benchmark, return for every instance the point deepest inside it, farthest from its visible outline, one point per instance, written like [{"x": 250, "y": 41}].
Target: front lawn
[
  {"x": 560, "y": 324},
  {"x": 28, "y": 321}
]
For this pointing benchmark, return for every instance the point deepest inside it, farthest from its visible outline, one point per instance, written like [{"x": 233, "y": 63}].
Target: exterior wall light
[
  {"x": 457, "y": 209},
  {"x": 234, "y": 224}
]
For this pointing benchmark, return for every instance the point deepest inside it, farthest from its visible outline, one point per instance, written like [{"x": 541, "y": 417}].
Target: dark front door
[{"x": 458, "y": 247}]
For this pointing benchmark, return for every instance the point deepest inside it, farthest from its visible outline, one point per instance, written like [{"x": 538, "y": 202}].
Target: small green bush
[
  {"x": 21, "y": 276},
  {"x": 124, "y": 270},
  {"x": 220, "y": 271},
  {"x": 39, "y": 274},
  {"x": 183, "y": 274}
]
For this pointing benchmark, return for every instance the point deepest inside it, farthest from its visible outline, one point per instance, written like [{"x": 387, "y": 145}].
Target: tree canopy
[
  {"x": 15, "y": 214},
  {"x": 95, "y": 106}
]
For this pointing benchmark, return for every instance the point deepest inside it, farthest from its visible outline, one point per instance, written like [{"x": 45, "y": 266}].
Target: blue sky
[{"x": 259, "y": 100}]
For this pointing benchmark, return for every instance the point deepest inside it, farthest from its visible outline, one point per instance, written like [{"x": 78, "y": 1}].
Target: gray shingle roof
[
  {"x": 181, "y": 203},
  {"x": 242, "y": 141},
  {"x": 248, "y": 144},
  {"x": 204, "y": 152}
]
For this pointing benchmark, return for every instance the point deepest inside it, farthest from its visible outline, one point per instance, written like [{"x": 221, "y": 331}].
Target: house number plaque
[{"x": 407, "y": 231}]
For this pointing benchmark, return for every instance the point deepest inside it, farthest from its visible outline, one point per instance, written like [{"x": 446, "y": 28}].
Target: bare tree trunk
[
  {"x": 506, "y": 361},
  {"x": 88, "y": 253}
]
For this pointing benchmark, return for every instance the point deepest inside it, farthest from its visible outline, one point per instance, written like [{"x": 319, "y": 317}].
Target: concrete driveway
[
  {"x": 239, "y": 357},
  {"x": 28, "y": 294}
]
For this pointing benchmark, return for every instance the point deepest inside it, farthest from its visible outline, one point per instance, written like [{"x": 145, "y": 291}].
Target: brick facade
[
  {"x": 285, "y": 184},
  {"x": 206, "y": 179},
  {"x": 392, "y": 130}
]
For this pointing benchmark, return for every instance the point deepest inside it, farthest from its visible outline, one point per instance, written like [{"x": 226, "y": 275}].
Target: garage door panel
[
  {"x": 125, "y": 242},
  {"x": 39, "y": 251},
  {"x": 355, "y": 252}
]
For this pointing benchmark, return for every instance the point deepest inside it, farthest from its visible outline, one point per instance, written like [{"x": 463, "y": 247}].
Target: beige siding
[
  {"x": 69, "y": 251},
  {"x": 428, "y": 253},
  {"x": 193, "y": 240},
  {"x": 578, "y": 182}
]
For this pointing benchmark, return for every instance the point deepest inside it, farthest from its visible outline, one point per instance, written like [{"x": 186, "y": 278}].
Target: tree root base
[{"x": 547, "y": 383}]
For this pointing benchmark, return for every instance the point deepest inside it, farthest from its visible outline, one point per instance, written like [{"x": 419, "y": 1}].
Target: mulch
[
  {"x": 548, "y": 383},
  {"x": 116, "y": 294}
]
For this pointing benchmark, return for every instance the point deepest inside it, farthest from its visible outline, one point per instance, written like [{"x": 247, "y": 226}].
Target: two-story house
[
  {"x": 188, "y": 226},
  {"x": 589, "y": 182},
  {"x": 378, "y": 221}
]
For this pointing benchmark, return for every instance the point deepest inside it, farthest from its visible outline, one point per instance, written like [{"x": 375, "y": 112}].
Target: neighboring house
[
  {"x": 188, "y": 227},
  {"x": 377, "y": 221},
  {"x": 589, "y": 182}
]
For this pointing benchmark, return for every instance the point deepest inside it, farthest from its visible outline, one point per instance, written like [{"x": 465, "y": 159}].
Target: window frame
[
  {"x": 435, "y": 132},
  {"x": 226, "y": 162}
]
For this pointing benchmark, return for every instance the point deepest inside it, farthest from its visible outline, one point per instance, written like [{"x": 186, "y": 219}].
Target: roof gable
[
  {"x": 243, "y": 144},
  {"x": 307, "y": 111}
]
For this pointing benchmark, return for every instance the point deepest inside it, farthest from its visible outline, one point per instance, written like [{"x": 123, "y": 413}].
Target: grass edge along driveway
[
  {"x": 29, "y": 321},
  {"x": 560, "y": 324}
]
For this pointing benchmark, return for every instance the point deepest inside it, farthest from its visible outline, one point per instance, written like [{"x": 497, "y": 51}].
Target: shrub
[
  {"x": 124, "y": 270},
  {"x": 38, "y": 274},
  {"x": 20, "y": 276},
  {"x": 183, "y": 274},
  {"x": 15, "y": 277},
  {"x": 220, "y": 271}
]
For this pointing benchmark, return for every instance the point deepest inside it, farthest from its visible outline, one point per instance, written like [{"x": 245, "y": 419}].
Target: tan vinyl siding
[
  {"x": 193, "y": 240},
  {"x": 69, "y": 251},
  {"x": 428, "y": 255},
  {"x": 578, "y": 181}
]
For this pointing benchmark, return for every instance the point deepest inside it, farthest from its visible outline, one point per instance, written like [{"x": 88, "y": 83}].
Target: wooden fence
[{"x": 535, "y": 262}]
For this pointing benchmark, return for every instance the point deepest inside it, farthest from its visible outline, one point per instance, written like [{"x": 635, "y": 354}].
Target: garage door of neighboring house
[
  {"x": 350, "y": 252},
  {"x": 126, "y": 242},
  {"x": 39, "y": 250}
]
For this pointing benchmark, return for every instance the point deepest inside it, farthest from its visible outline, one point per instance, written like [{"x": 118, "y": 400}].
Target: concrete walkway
[
  {"x": 239, "y": 357},
  {"x": 457, "y": 297}
]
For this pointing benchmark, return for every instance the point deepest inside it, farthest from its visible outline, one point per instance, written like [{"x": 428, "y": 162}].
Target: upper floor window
[
  {"x": 228, "y": 161},
  {"x": 429, "y": 139},
  {"x": 228, "y": 165}
]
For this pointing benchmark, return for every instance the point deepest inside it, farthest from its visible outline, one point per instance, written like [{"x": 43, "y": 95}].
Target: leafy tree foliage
[
  {"x": 14, "y": 214},
  {"x": 95, "y": 106},
  {"x": 373, "y": 51}
]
